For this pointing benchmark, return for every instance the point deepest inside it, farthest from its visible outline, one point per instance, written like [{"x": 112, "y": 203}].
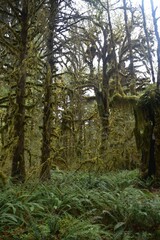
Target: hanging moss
[{"x": 147, "y": 132}]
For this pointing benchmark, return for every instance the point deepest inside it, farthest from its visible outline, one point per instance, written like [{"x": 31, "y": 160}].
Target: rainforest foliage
[
  {"x": 79, "y": 120},
  {"x": 70, "y": 83},
  {"x": 81, "y": 206}
]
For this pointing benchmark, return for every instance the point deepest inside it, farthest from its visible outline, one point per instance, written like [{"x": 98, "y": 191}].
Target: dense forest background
[
  {"x": 71, "y": 74},
  {"x": 79, "y": 120}
]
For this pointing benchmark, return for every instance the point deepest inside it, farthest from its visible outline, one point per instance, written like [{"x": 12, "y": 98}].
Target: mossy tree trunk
[
  {"x": 48, "y": 96},
  {"x": 18, "y": 162},
  {"x": 147, "y": 133},
  {"x": 157, "y": 140},
  {"x": 102, "y": 100},
  {"x": 80, "y": 123},
  {"x": 47, "y": 128},
  {"x": 102, "y": 95},
  {"x": 103, "y": 109}
]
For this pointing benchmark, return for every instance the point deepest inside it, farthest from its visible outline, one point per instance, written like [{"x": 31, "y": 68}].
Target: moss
[
  {"x": 3, "y": 179},
  {"x": 157, "y": 143},
  {"x": 123, "y": 100},
  {"x": 147, "y": 128}
]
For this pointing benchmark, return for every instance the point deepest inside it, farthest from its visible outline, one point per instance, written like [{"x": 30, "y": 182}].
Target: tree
[
  {"x": 128, "y": 36},
  {"x": 147, "y": 118},
  {"x": 18, "y": 16},
  {"x": 52, "y": 56},
  {"x": 18, "y": 34},
  {"x": 148, "y": 42},
  {"x": 18, "y": 164},
  {"x": 113, "y": 49},
  {"x": 61, "y": 17},
  {"x": 158, "y": 40},
  {"x": 48, "y": 86}
]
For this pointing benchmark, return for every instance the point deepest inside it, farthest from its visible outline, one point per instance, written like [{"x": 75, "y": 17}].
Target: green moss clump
[{"x": 123, "y": 100}]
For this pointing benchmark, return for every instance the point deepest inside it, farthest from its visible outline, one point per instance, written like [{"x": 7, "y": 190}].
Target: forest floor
[{"x": 81, "y": 206}]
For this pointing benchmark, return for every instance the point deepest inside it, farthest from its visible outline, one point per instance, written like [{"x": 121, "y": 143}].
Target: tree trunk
[
  {"x": 158, "y": 41},
  {"x": 128, "y": 34},
  {"x": 147, "y": 133},
  {"x": 18, "y": 162},
  {"x": 103, "y": 109},
  {"x": 47, "y": 128},
  {"x": 48, "y": 94},
  {"x": 102, "y": 99},
  {"x": 116, "y": 71},
  {"x": 102, "y": 95},
  {"x": 148, "y": 44}
]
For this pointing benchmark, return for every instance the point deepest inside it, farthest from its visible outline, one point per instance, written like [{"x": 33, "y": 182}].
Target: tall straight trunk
[
  {"x": 128, "y": 34},
  {"x": 47, "y": 128},
  {"x": 103, "y": 109},
  {"x": 48, "y": 85},
  {"x": 80, "y": 140},
  {"x": 18, "y": 162},
  {"x": 148, "y": 44},
  {"x": 158, "y": 41}
]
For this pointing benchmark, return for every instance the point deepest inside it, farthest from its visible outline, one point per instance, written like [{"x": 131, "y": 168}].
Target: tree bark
[
  {"x": 48, "y": 94},
  {"x": 103, "y": 109},
  {"x": 18, "y": 162},
  {"x": 147, "y": 133}
]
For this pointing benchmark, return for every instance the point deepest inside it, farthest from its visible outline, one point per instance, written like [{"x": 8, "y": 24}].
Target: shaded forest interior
[{"x": 79, "y": 88}]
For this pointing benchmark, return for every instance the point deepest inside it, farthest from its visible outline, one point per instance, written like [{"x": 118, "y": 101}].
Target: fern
[{"x": 81, "y": 206}]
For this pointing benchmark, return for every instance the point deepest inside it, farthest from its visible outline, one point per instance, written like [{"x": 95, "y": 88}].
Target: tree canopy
[{"x": 71, "y": 74}]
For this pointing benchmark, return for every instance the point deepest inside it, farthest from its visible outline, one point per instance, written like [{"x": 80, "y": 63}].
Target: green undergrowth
[{"x": 81, "y": 206}]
